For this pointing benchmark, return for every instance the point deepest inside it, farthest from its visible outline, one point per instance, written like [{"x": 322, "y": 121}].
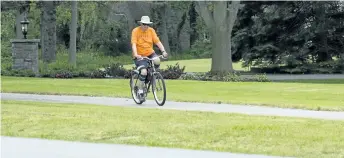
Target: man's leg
[
  {"x": 141, "y": 67},
  {"x": 156, "y": 60}
]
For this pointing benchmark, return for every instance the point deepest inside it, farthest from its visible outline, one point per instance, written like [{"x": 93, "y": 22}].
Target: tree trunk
[
  {"x": 221, "y": 61},
  {"x": 220, "y": 22},
  {"x": 73, "y": 30},
  {"x": 48, "y": 25},
  {"x": 193, "y": 22},
  {"x": 164, "y": 34},
  {"x": 323, "y": 54}
]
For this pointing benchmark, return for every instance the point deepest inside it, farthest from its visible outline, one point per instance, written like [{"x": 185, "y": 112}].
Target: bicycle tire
[
  {"x": 163, "y": 88},
  {"x": 132, "y": 90}
]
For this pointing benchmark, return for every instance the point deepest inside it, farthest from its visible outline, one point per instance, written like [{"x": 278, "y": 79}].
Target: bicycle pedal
[{"x": 143, "y": 98}]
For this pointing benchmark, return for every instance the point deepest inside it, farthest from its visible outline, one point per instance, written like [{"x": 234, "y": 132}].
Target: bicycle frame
[
  {"x": 150, "y": 70},
  {"x": 150, "y": 82}
]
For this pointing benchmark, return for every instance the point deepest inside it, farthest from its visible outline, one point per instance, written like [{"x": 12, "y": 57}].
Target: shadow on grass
[{"x": 315, "y": 81}]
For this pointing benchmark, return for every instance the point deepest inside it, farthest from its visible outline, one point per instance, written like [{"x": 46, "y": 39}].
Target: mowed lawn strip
[
  {"x": 315, "y": 96},
  {"x": 282, "y": 136}
]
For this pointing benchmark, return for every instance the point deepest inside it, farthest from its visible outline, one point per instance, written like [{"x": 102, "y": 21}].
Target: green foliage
[
  {"x": 173, "y": 71},
  {"x": 89, "y": 64},
  {"x": 201, "y": 49},
  {"x": 98, "y": 74},
  {"x": 293, "y": 37},
  {"x": 117, "y": 70},
  {"x": 6, "y": 60},
  {"x": 289, "y": 33},
  {"x": 111, "y": 39},
  {"x": 7, "y": 26},
  {"x": 99, "y": 33},
  {"x": 180, "y": 5},
  {"x": 34, "y": 16},
  {"x": 6, "y": 49},
  {"x": 261, "y": 78},
  {"x": 64, "y": 13},
  {"x": 18, "y": 73},
  {"x": 223, "y": 77},
  {"x": 328, "y": 67},
  {"x": 95, "y": 31}
]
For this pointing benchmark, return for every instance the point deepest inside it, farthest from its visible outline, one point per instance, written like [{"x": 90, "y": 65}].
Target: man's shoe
[{"x": 141, "y": 95}]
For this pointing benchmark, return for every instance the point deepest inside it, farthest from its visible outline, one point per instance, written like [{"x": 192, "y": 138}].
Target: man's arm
[
  {"x": 161, "y": 47},
  {"x": 157, "y": 41},
  {"x": 133, "y": 43},
  {"x": 133, "y": 47}
]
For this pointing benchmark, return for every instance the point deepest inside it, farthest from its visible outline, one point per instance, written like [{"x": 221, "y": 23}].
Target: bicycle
[{"x": 152, "y": 78}]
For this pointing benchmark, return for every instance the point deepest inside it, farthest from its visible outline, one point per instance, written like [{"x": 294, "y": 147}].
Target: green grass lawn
[
  {"x": 322, "y": 81},
  {"x": 194, "y": 65},
  {"x": 282, "y": 136},
  {"x": 314, "y": 96}
]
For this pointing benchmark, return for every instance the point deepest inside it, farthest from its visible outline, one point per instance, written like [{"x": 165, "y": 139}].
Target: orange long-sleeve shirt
[{"x": 144, "y": 40}]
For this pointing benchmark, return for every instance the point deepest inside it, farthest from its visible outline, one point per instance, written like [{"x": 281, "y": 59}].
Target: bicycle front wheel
[
  {"x": 159, "y": 89},
  {"x": 134, "y": 88}
]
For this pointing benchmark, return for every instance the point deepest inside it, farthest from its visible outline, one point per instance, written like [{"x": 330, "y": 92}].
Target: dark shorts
[{"x": 144, "y": 63}]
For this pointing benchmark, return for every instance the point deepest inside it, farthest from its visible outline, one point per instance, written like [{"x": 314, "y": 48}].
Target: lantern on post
[{"x": 24, "y": 24}]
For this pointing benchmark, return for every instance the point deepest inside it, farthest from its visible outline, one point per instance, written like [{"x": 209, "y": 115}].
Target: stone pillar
[{"x": 25, "y": 54}]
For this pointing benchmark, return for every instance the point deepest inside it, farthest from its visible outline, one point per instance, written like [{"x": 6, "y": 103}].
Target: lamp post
[{"x": 24, "y": 24}]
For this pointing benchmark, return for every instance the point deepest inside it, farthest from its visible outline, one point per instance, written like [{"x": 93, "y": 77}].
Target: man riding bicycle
[{"x": 142, "y": 39}]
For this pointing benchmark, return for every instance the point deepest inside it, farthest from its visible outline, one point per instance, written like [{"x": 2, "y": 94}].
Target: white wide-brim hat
[{"x": 145, "y": 20}]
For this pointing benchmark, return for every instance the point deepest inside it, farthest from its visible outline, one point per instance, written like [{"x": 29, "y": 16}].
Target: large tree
[
  {"x": 219, "y": 17},
  {"x": 48, "y": 31},
  {"x": 73, "y": 30}
]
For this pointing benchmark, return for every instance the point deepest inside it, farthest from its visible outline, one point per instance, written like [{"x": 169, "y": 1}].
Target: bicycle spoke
[
  {"x": 159, "y": 89},
  {"x": 134, "y": 88}
]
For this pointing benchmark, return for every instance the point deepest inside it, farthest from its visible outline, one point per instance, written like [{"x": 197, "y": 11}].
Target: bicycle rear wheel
[
  {"x": 134, "y": 88},
  {"x": 158, "y": 85}
]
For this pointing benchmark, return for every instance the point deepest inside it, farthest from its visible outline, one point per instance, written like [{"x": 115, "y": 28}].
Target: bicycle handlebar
[{"x": 160, "y": 56}]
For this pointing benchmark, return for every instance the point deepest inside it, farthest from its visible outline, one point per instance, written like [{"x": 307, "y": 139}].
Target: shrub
[
  {"x": 116, "y": 70},
  {"x": 261, "y": 78},
  {"x": 328, "y": 67},
  {"x": 192, "y": 76},
  {"x": 173, "y": 72},
  {"x": 20, "y": 73},
  {"x": 97, "y": 74},
  {"x": 224, "y": 77},
  {"x": 63, "y": 74}
]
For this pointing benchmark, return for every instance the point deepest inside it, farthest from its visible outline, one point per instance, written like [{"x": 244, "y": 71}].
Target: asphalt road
[
  {"x": 229, "y": 108},
  {"x": 37, "y": 148}
]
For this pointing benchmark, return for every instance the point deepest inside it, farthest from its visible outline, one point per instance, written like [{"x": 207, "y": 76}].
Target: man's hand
[
  {"x": 138, "y": 56},
  {"x": 164, "y": 54}
]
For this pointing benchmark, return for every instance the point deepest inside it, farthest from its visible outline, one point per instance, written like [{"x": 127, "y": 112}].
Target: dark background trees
[{"x": 282, "y": 36}]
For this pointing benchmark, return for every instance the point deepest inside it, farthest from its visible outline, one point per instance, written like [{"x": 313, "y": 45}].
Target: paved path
[
  {"x": 243, "y": 109},
  {"x": 39, "y": 148}
]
